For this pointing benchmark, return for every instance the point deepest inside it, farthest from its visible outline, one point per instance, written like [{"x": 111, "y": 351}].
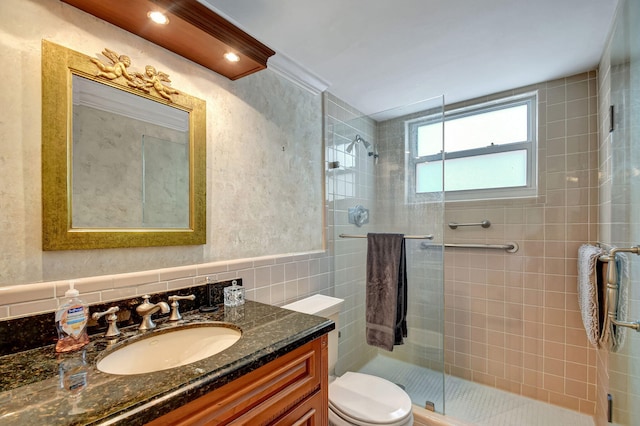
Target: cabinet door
[
  {"x": 308, "y": 413},
  {"x": 263, "y": 395}
]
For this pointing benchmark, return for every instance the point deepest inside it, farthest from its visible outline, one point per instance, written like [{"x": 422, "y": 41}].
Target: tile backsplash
[
  {"x": 270, "y": 279},
  {"x": 25, "y": 333}
]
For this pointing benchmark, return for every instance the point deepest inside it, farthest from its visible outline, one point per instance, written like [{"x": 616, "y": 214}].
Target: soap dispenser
[{"x": 71, "y": 322}]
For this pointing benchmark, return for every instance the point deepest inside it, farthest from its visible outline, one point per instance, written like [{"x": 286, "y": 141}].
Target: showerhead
[
  {"x": 365, "y": 143},
  {"x": 357, "y": 140}
]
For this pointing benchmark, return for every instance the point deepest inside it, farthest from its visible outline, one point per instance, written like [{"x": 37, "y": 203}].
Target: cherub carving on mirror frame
[{"x": 151, "y": 81}]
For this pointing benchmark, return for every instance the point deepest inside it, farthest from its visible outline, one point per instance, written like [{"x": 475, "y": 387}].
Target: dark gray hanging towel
[{"x": 386, "y": 296}]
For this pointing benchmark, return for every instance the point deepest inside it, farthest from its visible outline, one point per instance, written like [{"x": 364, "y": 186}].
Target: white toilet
[{"x": 356, "y": 398}]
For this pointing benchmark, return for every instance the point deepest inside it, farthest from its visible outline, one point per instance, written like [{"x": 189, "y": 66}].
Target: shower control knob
[{"x": 358, "y": 215}]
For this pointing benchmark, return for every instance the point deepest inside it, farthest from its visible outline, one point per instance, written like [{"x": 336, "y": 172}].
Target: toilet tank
[{"x": 327, "y": 307}]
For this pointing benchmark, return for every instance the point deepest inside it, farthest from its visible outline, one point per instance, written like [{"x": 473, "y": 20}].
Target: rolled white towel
[
  {"x": 616, "y": 335},
  {"x": 588, "y": 291}
]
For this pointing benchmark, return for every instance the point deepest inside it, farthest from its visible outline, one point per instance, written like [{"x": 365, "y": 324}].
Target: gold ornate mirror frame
[{"x": 59, "y": 66}]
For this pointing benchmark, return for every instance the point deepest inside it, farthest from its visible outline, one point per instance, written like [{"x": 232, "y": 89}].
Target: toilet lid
[{"x": 369, "y": 399}]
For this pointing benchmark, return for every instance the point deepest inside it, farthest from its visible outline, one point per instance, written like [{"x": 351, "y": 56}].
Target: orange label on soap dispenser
[{"x": 73, "y": 320}]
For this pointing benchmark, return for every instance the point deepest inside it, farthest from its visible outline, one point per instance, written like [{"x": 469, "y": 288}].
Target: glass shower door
[
  {"x": 370, "y": 168},
  {"x": 624, "y": 227}
]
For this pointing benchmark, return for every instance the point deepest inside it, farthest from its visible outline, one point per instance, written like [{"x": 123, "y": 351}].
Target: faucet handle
[
  {"x": 175, "y": 313},
  {"x": 112, "y": 318}
]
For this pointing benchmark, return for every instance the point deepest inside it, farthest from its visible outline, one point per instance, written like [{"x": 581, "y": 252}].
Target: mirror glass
[
  {"x": 130, "y": 160},
  {"x": 123, "y": 155}
]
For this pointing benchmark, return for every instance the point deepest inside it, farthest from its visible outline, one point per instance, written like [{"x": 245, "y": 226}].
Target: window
[{"x": 489, "y": 151}]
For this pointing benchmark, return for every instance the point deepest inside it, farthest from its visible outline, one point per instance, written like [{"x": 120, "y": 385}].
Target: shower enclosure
[
  {"x": 492, "y": 326},
  {"x": 370, "y": 177}
]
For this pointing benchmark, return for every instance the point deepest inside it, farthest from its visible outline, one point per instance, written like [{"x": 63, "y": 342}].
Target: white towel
[{"x": 588, "y": 291}]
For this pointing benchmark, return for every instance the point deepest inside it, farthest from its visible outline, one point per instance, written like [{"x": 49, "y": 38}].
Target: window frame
[{"x": 530, "y": 145}]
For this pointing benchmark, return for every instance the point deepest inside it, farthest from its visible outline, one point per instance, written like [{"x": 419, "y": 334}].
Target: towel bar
[
  {"x": 409, "y": 237},
  {"x": 611, "y": 296}
]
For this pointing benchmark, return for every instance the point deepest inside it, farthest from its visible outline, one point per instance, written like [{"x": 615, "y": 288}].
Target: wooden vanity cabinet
[{"x": 291, "y": 390}]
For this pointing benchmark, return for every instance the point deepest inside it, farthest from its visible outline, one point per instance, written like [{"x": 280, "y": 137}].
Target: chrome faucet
[{"x": 146, "y": 309}]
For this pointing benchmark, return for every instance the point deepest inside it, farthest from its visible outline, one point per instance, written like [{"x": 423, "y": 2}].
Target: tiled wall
[
  {"x": 271, "y": 279},
  {"x": 512, "y": 320}
]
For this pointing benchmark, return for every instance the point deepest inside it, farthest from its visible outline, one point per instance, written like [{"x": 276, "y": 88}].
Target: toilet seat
[{"x": 365, "y": 400}]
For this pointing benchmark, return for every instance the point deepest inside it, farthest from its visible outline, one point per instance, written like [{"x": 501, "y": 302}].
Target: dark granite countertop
[{"x": 36, "y": 390}]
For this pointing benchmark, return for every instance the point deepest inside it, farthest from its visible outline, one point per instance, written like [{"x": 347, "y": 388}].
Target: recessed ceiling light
[
  {"x": 158, "y": 17},
  {"x": 231, "y": 57}
]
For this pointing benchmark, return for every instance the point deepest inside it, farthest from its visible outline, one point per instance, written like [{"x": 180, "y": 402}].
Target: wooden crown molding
[{"x": 194, "y": 32}]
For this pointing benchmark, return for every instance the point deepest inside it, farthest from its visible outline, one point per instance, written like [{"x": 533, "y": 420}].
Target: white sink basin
[{"x": 169, "y": 349}]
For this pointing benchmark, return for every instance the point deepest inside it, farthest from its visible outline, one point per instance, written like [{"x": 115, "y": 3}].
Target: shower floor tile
[{"x": 472, "y": 402}]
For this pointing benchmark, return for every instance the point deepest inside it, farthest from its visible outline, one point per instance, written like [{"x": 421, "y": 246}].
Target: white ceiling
[{"x": 382, "y": 54}]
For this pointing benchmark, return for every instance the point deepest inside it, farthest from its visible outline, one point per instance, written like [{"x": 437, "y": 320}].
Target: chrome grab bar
[
  {"x": 611, "y": 295},
  {"x": 485, "y": 224},
  {"x": 511, "y": 247}
]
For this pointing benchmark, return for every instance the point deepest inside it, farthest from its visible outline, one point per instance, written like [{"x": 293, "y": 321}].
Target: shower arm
[{"x": 611, "y": 295}]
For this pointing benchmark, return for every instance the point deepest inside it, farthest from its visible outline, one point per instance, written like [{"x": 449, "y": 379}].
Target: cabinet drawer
[{"x": 262, "y": 395}]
